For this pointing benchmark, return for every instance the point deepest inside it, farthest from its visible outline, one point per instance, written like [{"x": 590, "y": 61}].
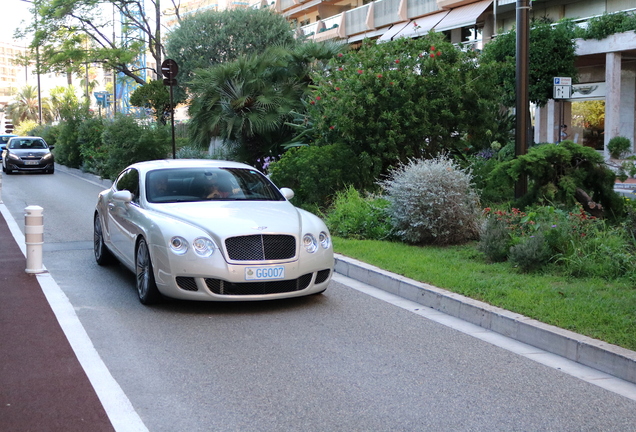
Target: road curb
[
  {"x": 106, "y": 183},
  {"x": 608, "y": 358}
]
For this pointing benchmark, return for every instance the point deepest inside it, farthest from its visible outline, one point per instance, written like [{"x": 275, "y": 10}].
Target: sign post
[
  {"x": 562, "y": 90},
  {"x": 170, "y": 69}
]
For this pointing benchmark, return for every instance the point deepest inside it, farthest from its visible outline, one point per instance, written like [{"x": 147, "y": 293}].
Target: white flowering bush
[{"x": 433, "y": 202}]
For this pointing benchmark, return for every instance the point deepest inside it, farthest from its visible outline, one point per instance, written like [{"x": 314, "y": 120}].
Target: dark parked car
[
  {"x": 27, "y": 154},
  {"x": 3, "y": 142}
]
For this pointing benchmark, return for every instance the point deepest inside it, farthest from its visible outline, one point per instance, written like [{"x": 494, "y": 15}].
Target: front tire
[
  {"x": 102, "y": 255},
  {"x": 145, "y": 277}
]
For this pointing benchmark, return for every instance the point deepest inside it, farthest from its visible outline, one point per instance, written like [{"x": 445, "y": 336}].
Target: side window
[{"x": 129, "y": 180}]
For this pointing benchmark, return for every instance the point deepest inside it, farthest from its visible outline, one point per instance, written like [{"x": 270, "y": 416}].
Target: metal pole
[
  {"x": 522, "y": 83},
  {"x": 37, "y": 65},
  {"x": 174, "y": 147}
]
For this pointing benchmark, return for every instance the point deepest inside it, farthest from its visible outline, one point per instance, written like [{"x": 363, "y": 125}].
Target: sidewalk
[{"x": 42, "y": 384}]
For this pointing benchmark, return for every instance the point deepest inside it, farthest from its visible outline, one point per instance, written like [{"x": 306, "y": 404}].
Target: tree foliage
[
  {"x": 564, "y": 174},
  {"x": 25, "y": 106},
  {"x": 551, "y": 54},
  {"x": 211, "y": 37},
  {"x": 156, "y": 96},
  {"x": 409, "y": 98},
  {"x": 71, "y": 33},
  {"x": 248, "y": 102}
]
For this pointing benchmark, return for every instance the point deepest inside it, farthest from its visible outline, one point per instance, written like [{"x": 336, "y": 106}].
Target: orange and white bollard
[{"x": 34, "y": 236}]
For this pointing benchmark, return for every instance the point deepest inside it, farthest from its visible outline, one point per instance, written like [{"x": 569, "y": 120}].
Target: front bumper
[
  {"x": 221, "y": 281},
  {"x": 17, "y": 166}
]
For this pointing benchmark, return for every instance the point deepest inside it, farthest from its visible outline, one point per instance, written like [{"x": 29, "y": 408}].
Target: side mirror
[
  {"x": 51, "y": 147},
  {"x": 123, "y": 196},
  {"x": 287, "y": 193}
]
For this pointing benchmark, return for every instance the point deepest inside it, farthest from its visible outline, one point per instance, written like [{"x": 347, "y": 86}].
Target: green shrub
[
  {"x": 127, "y": 142},
  {"x": 492, "y": 191},
  {"x": 579, "y": 244},
  {"x": 93, "y": 153},
  {"x": 559, "y": 174},
  {"x": 495, "y": 240},
  {"x": 67, "y": 150},
  {"x": 315, "y": 173},
  {"x": 618, "y": 146},
  {"x": 531, "y": 254},
  {"x": 605, "y": 25},
  {"x": 354, "y": 216},
  {"x": 48, "y": 132},
  {"x": 192, "y": 152},
  {"x": 603, "y": 252},
  {"x": 433, "y": 202}
]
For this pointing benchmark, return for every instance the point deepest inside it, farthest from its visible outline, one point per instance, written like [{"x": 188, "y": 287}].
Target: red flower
[
  {"x": 379, "y": 75},
  {"x": 312, "y": 103},
  {"x": 391, "y": 83},
  {"x": 332, "y": 127},
  {"x": 339, "y": 68},
  {"x": 339, "y": 54},
  {"x": 439, "y": 53},
  {"x": 360, "y": 71},
  {"x": 432, "y": 55},
  {"x": 337, "y": 88},
  {"x": 432, "y": 48},
  {"x": 397, "y": 61},
  {"x": 317, "y": 98}
]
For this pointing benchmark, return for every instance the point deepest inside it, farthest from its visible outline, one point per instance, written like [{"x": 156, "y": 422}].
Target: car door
[{"x": 122, "y": 217}]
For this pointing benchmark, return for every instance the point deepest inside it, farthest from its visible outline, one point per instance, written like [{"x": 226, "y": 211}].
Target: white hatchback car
[{"x": 210, "y": 230}]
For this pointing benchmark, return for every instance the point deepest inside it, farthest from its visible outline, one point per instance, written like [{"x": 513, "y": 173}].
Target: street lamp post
[{"x": 37, "y": 61}]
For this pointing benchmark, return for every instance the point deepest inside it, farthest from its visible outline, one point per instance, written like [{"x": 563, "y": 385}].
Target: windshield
[
  {"x": 27, "y": 144},
  {"x": 205, "y": 184}
]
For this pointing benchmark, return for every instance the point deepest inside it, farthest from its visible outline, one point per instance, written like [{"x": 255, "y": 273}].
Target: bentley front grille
[
  {"x": 261, "y": 247},
  {"x": 218, "y": 286}
]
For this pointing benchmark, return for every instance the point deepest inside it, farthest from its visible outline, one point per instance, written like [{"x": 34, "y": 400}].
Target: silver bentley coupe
[{"x": 210, "y": 230}]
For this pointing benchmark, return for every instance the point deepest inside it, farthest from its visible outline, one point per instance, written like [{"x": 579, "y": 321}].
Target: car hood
[
  {"x": 235, "y": 218},
  {"x": 30, "y": 152}
]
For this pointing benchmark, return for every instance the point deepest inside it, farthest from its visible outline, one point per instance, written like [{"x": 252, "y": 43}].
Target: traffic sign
[
  {"x": 562, "y": 81},
  {"x": 562, "y": 92},
  {"x": 170, "y": 82},
  {"x": 169, "y": 68}
]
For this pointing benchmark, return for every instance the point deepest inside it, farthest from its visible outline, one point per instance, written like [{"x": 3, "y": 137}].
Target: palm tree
[
  {"x": 248, "y": 102},
  {"x": 26, "y": 107}
]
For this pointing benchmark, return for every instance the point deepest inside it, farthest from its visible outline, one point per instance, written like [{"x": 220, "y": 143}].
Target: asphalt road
[{"x": 341, "y": 361}]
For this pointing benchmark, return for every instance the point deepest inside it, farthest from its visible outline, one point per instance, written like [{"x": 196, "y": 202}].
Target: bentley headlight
[
  {"x": 204, "y": 247},
  {"x": 178, "y": 245},
  {"x": 310, "y": 243},
  {"x": 324, "y": 239}
]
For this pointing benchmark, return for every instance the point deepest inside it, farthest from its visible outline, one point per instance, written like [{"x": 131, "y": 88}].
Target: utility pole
[{"x": 522, "y": 83}]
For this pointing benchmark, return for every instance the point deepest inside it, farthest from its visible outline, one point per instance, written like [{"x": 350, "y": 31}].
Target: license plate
[
  {"x": 31, "y": 162},
  {"x": 264, "y": 273}
]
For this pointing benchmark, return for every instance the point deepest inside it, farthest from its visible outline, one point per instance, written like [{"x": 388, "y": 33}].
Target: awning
[
  {"x": 463, "y": 16},
  {"x": 390, "y": 33},
  {"x": 421, "y": 26}
]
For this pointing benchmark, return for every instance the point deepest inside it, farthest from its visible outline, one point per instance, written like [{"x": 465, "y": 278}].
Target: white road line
[
  {"x": 120, "y": 411},
  {"x": 577, "y": 370}
]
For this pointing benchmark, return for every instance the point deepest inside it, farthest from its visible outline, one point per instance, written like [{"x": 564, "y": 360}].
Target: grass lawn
[{"x": 597, "y": 308}]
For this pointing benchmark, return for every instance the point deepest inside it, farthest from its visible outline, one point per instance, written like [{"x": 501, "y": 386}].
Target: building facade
[{"x": 607, "y": 68}]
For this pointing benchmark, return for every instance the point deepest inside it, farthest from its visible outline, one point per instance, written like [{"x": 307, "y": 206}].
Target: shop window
[{"x": 588, "y": 123}]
